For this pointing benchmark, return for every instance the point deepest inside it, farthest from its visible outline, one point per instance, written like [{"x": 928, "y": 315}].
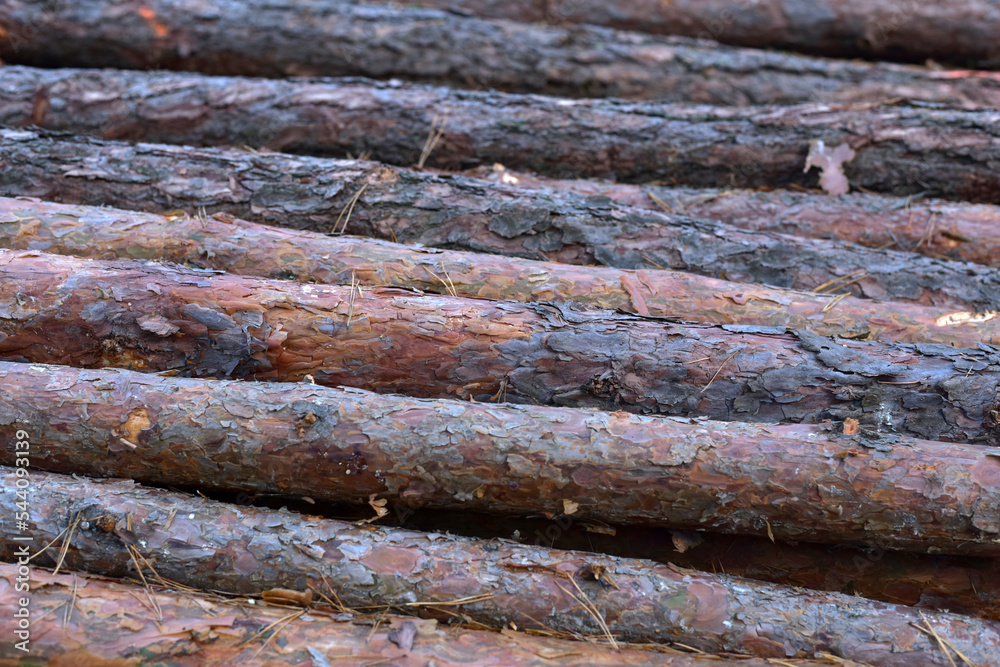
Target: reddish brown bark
[
  {"x": 820, "y": 484},
  {"x": 453, "y": 212},
  {"x": 243, "y": 550},
  {"x": 656, "y": 294},
  {"x": 236, "y": 246},
  {"x": 900, "y": 150},
  {"x": 878, "y": 29},
  {"x": 953, "y": 230},
  {"x": 339, "y": 38},
  {"x": 88, "y": 620},
  {"x": 152, "y": 317}
]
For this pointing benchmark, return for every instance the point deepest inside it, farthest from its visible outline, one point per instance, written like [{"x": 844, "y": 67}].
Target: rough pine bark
[
  {"x": 660, "y": 294},
  {"x": 945, "y": 31},
  {"x": 450, "y": 211},
  {"x": 237, "y": 246},
  {"x": 339, "y": 38},
  {"x": 961, "y": 584},
  {"x": 899, "y": 150},
  {"x": 933, "y": 227},
  {"x": 820, "y": 484},
  {"x": 243, "y": 550},
  {"x": 153, "y": 317},
  {"x": 112, "y": 622}
]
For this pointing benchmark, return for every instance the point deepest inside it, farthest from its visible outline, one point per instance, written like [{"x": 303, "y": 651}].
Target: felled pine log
[
  {"x": 821, "y": 484},
  {"x": 899, "y": 150},
  {"x": 554, "y": 222},
  {"x": 962, "y": 584},
  {"x": 154, "y": 317},
  {"x": 340, "y": 38},
  {"x": 934, "y": 227},
  {"x": 877, "y": 30},
  {"x": 215, "y": 546},
  {"x": 128, "y": 624},
  {"x": 705, "y": 248}
]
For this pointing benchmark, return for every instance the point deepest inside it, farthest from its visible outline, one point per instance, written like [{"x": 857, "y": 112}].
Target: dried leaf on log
[
  {"x": 339, "y": 38},
  {"x": 900, "y": 150},
  {"x": 88, "y": 313},
  {"x": 357, "y": 447},
  {"x": 213, "y": 546}
]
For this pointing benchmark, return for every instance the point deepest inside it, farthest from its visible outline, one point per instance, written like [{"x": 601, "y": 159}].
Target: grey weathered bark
[
  {"x": 877, "y": 29},
  {"x": 214, "y": 546},
  {"x": 439, "y": 210},
  {"x": 152, "y": 317},
  {"x": 339, "y": 38},
  {"x": 123, "y": 624},
  {"x": 934, "y": 227},
  {"x": 821, "y": 484},
  {"x": 961, "y": 584},
  {"x": 900, "y": 150}
]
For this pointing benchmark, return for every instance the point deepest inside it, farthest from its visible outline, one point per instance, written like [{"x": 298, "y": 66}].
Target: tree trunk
[
  {"x": 331, "y": 38},
  {"x": 901, "y": 150},
  {"x": 107, "y": 622},
  {"x": 299, "y": 440},
  {"x": 151, "y": 317},
  {"x": 945, "y": 31},
  {"x": 214, "y": 546},
  {"x": 933, "y": 227},
  {"x": 705, "y": 247},
  {"x": 961, "y": 584}
]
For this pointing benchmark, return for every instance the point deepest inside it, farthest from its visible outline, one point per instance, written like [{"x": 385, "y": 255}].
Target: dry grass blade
[
  {"x": 449, "y": 284},
  {"x": 433, "y": 137},
  {"x": 590, "y": 609},
  {"x": 136, "y": 558},
  {"x": 834, "y": 301},
  {"x": 943, "y": 644},
  {"x": 851, "y": 277},
  {"x": 72, "y": 601},
  {"x": 667, "y": 208},
  {"x": 66, "y": 541},
  {"x": 721, "y": 366},
  {"x": 472, "y": 599},
  {"x": 345, "y": 213}
]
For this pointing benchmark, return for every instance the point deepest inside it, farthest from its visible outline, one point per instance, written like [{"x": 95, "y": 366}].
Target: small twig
[{"x": 472, "y": 599}]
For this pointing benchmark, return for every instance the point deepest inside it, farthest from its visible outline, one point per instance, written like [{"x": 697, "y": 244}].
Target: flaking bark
[
  {"x": 933, "y": 227},
  {"x": 153, "y": 317},
  {"x": 876, "y": 29},
  {"x": 900, "y": 150},
  {"x": 214, "y": 546},
  {"x": 821, "y": 485},
  {"x": 338, "y": 38},
  {"x": 111, "y": 622},
  {"x": 456, "y": 212}
]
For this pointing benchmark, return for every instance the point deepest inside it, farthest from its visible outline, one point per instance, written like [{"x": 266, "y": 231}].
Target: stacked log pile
[{"x": 561, "y": 339}]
